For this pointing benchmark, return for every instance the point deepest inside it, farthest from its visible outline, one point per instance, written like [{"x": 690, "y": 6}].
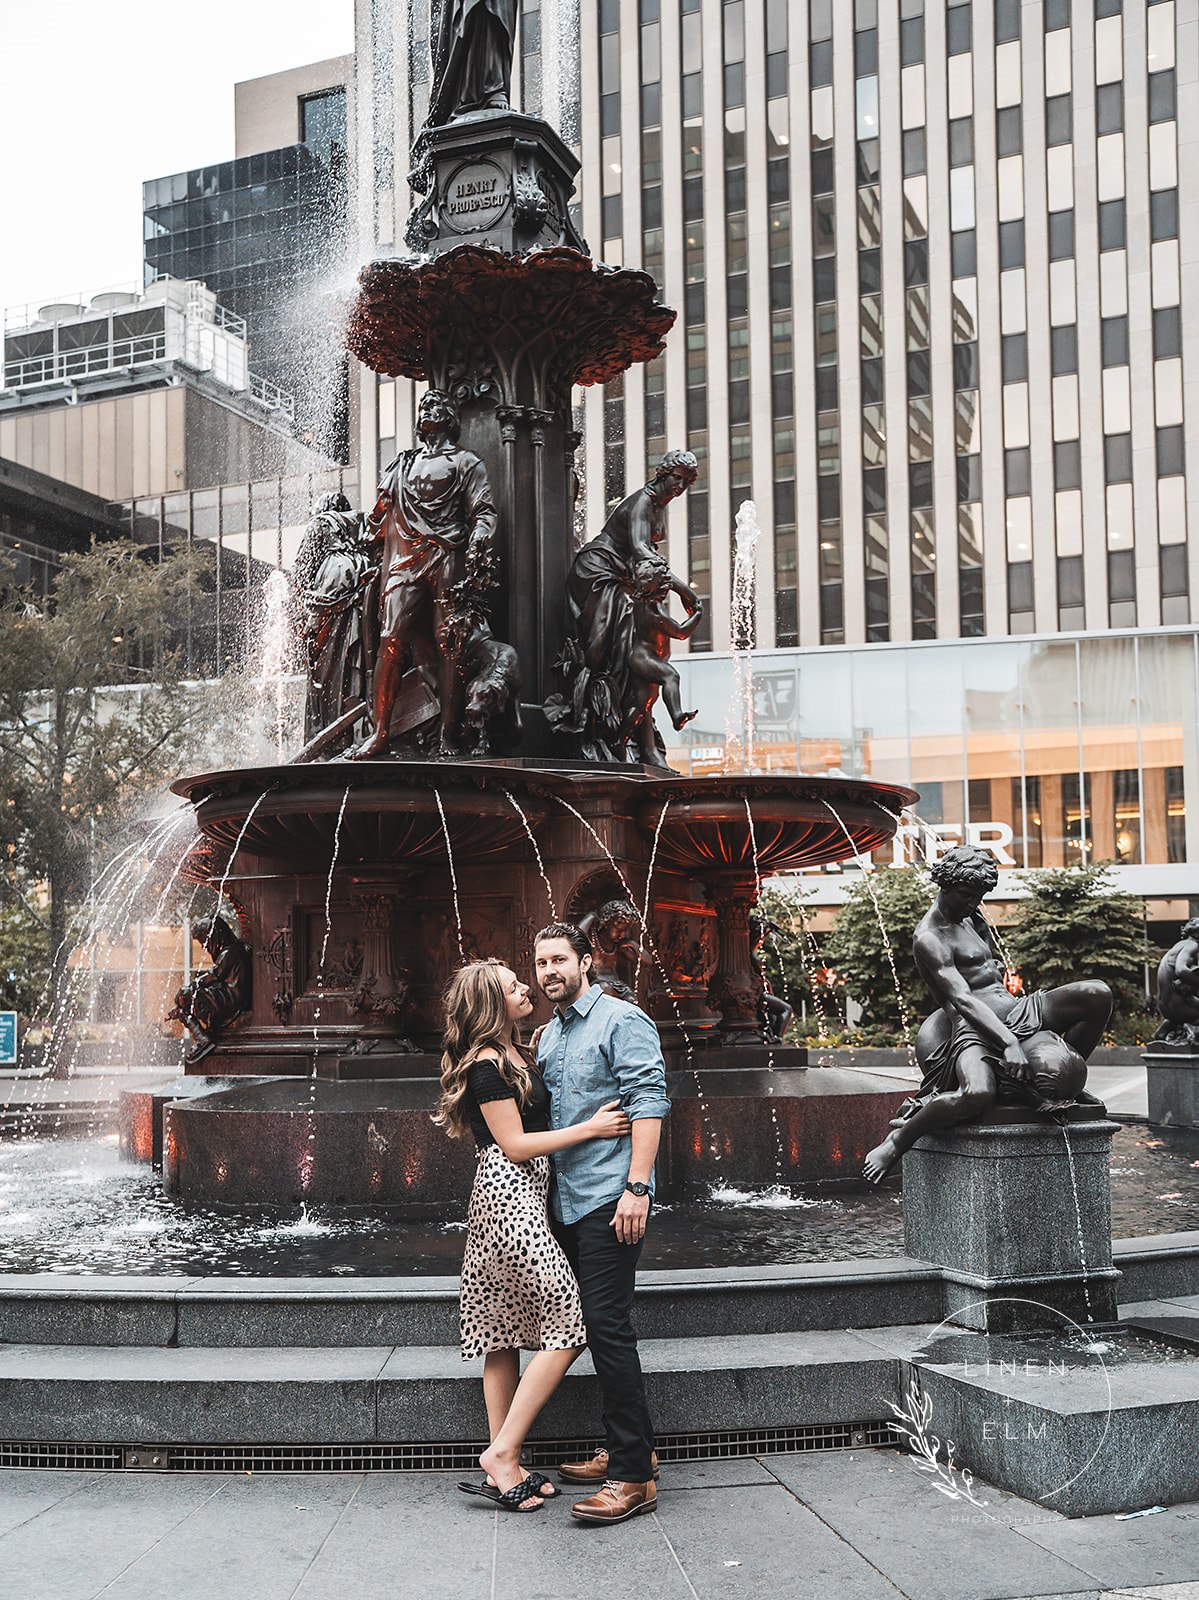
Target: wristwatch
[{"x": 639, "y": 1189}]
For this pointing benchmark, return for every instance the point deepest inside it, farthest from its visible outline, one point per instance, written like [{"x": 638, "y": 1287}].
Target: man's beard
[{"x": 568, "y": 993}]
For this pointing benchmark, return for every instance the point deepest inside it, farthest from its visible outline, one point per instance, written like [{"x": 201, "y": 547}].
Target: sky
[{"x": 98, "y": 97}]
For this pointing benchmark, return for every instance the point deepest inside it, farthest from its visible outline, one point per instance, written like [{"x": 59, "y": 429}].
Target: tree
[
  {"x": 75, "y": 751},
  {"x": 856, "y": 950},
  {"x": 1074, "y": 924}
]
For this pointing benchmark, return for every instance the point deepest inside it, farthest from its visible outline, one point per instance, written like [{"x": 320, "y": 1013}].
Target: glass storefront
[{"x": 1050, "y": 751}]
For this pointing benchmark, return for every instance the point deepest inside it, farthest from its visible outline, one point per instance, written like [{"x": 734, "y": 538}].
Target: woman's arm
[{"x": 503, "y": 1119}]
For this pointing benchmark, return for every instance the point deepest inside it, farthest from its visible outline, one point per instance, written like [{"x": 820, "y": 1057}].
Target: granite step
[
  {"x": 334, "y": 1312},
  {"x": 138, "y": 1395},
  {"x": 283, "y": 1313}
]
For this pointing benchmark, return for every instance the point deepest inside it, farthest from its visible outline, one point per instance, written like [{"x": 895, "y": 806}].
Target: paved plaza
[{"x": 831, "y": 1526}]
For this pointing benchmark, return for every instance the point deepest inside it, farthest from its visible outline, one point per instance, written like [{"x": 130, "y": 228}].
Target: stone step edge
[{"x": 864, "y": 1270}]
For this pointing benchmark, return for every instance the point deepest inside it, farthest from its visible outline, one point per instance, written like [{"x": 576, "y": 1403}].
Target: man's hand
[
  {"x": 1016, "y": 1062},
  {"x": 630, "y": 1219}
]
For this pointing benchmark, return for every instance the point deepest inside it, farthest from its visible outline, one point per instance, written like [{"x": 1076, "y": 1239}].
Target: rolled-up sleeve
[{"x": 638, "y": 1065}]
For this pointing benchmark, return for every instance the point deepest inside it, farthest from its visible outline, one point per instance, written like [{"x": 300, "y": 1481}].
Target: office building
[
  {"x": 934, "y": 266},
  {"x": 266, "y": 231},
  {"x": 140, "y": 393}
]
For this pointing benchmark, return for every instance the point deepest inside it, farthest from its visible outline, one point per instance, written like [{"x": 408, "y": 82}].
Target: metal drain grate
[
  {"x": 432, "y": 1457},
  {"x": 101, "y": 1457}
]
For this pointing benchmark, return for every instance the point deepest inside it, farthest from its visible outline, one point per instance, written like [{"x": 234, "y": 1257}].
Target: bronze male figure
[
  {"x": 985, "y": 1043},
  {"x": 436, "y": 520}
]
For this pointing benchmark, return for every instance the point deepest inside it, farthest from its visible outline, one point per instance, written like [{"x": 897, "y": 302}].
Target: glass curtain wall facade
[
  {"x": 264, "y": 232},
  {"x": 1061, "y": 750},
  {"x": 930, "y": 263},
  {"x": 245, "y": 531}
]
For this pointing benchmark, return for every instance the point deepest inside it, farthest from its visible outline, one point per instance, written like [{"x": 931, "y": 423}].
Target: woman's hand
[{"x": 609, "y": 1122}]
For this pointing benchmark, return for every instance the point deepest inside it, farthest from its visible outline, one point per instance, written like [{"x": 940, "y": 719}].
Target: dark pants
[{"x": 606, "y": 1270}]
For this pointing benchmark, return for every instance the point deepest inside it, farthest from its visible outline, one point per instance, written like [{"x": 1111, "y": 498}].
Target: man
[
  {"x": 594, "y": 1049},
  {"x": 985, "y": 1042},
  {"x": 437, "y": 520}
]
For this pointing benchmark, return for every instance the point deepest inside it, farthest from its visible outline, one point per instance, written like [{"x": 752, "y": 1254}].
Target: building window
[
  {"x": 1163, "y": 98},
  {"x": 1059, "y": 120},
  {"x": 1015, "y": 357},
  {"x": 1117, "y": 458},
  {"x": 1112, "y": 224},
  {"x": 1011, "y": 244},
  {"x": 1061, "y": 235},
  {"x": 1009, "y": 134},
  {"x": 1063, "y": 348},
  {"x": 1163, "y": 214},
  {"x": 1171, "y": 452},
  {"x": 1167, "y": 333},
  {"x": 1114, "y": 332}
]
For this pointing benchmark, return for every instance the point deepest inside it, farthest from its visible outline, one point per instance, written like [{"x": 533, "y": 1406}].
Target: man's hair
[
  {"x": 674, "y": 459},
  {"x": 454, "y": 425},
  {"x": 575, "y": 937},
  {"x": 1190, "y": 930},
  {"x": 965, "y": 867}
]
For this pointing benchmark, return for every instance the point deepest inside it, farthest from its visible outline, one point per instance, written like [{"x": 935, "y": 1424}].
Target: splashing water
[
  {"x": 308, "y": 1160},
  {"x": 739, "y": 726},
  {"x": 276, "y": 649},
  {"x": 705, "y": 1113},
  {"x": 904, "y": 1014},
  {"x": 237, "y": 844},
  {"x": 653, "y": 862},
  {"x": 449, "y": 855},
  {"x": 1082, "y": 1249},
  {"x": 549, "y": 892}
]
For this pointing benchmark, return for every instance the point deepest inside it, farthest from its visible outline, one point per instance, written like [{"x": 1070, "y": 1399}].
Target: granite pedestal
[
  {"x": 992, "y": 1204},
  {"x": 1172, "y": 1077}
]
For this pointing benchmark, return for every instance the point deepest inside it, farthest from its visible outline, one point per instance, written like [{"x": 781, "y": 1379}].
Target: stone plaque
[{"x": 476, "y": 196}]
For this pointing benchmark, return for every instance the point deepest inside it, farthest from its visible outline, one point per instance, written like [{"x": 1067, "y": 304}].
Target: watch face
[{"x": 639, "y": 1189}]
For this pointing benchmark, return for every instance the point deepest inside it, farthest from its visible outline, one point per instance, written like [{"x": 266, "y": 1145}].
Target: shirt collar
[{"x": 585, "y": 1001}]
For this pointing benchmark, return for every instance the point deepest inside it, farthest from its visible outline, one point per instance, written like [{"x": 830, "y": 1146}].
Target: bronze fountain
[{"x": 481, "y": 746}]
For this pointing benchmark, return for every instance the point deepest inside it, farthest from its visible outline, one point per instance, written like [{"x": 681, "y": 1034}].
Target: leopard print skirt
[{"x": 517, "y": 1290}]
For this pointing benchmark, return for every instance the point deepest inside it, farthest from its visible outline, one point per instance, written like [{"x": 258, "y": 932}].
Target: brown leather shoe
[
  {"x": 617, "y": 1502},
  {"x": 593, "y": 1471}
]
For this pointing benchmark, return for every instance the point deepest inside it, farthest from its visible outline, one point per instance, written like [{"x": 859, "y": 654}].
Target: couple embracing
[{"x": 566, "y": 1140}]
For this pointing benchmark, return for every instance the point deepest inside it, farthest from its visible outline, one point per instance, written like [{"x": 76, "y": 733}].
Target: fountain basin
[
  {"x": 281, "y": 1143},
  {"x": 394, "y": 898}
]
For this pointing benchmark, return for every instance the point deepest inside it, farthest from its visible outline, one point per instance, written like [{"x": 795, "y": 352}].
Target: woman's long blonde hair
[{"x": 476, "y": 1018}]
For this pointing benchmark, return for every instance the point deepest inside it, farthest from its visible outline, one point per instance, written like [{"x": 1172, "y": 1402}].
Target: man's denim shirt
[{"x": 605, "y": 1049}]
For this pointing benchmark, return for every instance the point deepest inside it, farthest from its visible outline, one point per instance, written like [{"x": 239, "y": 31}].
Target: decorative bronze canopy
[{"x": 603, "y": 319}]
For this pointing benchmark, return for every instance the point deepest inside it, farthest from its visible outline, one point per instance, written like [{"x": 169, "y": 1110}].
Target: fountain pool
[{"x": 73, "y": 1206}]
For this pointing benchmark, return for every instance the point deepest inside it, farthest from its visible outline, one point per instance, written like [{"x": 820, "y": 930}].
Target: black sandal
[
  {"x": 511, "y": 1500},
  {"x": 546, "y": 1487}
]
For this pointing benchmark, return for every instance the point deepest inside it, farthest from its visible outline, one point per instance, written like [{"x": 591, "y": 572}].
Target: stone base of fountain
[
  {"x": 1172, "y": 1075},
  {"x": 993, "y": 1205},
  {"x": 280, "y": 1142}
]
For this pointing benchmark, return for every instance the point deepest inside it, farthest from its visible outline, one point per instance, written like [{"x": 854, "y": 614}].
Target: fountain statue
[
  {"x": 481, "y": 744},
  {"x": 436, "y": 520},
  {"x": 1172, "y": 1056},
  {"x": 986, "y": 1045},
  {"x": 218, "y": 994},
  {"x": 1178, "y": 992},
  {"x": 331, "y": 577},
  {"x": 472, "y": 58},
  {"x": 617, "y": 650},
  {"x": 613, "y": 929}
]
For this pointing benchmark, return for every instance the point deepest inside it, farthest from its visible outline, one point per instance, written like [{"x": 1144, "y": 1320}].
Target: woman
[{"x": 517, "y": 1289}]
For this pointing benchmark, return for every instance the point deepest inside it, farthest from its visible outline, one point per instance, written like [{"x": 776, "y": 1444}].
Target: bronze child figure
[{"x": 649, "y": 665}]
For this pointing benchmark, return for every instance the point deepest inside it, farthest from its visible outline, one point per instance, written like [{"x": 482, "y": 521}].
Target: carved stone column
[
  {"x": 736, "y": 988},
  {"x": 382, "y": 995}
]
